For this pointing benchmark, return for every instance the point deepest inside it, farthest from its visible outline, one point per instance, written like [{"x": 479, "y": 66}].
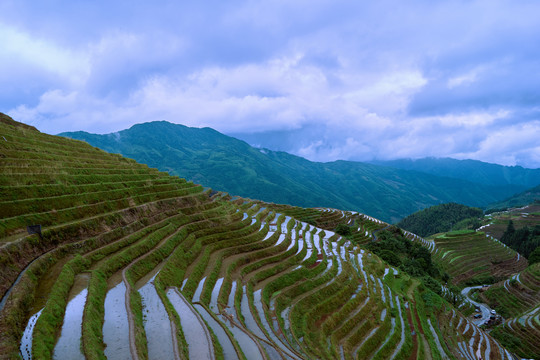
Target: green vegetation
[
  {"x": 415, "y": 260},
  {"x": 343, "y": 230},
  {"x": 534, "y": 256},
  {"x": 207, "y": 157},
  {"x": 524, "y": 240},
  {"x": 472, "y": 258},
  {"x": 441, "y": 218},
  {"x": 472, "y": 170},
  {"x": 292, "y": 282},
  {"x": 526, "y": 197},
  {"x": 400, "y": 252}
]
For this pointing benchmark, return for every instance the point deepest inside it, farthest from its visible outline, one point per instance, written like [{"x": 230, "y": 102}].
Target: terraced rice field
[
  {"x": 517, "y": 294},
  {"x": 518, "y": 299},
  {"x": 362, "y": 226},
  {"x": 525, "y": 216},
  {"x": 471, "y": 257},
  {"x": 136, "y": 264}
]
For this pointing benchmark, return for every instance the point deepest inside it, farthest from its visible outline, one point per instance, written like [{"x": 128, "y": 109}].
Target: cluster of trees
[
  {"x": 220, "y": 162},
  {"x": 400, "y": 252},
  {"x": 415, "y": 260},
  {"x": 525, "y": 241},
  {"x": 343, "y": 230},
  {"x": 442, "y": 218}
]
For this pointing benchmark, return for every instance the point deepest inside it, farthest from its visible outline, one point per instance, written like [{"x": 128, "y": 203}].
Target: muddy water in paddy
[
  {"x": 257, "y": 301},
  {"x": 247, "y": 344},
  {"x": 229, "y": 351},
  {"x": 46, "y": 283},
  {"x": 251, "y": 324},
  {"x": 115, "y": 326},
  {"x": 300, "y": 246},
  {"x": 273, "y": 354},
  {"x": 230, "y": 302},
  {"x": 26, "y": 341},
  {"x": 69, "y": 342},
  {"x": 156, "y": 324},
  {"x": 199, "y": 343},
  {"x": 317, "y": 242},
  {"x": 280, "y": 240},
  {"x": 197, "y": 294},
  {"x": 215, "y": 296},
  {"x": 284, "y": 224},
  {"x": 291, "y": 245},
  {"x": 269, "y": 234},
  {"x": 309, "y": 246}
]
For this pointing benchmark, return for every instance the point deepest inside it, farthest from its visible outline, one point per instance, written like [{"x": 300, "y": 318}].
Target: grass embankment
[
  {"x": 472, "y": 258},
  {"x": 112, "y": 216},
  {"x": 84, "y": 198}
]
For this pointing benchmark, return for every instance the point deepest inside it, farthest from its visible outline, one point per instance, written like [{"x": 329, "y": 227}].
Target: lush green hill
[
  {"x": 438, "y": 218},
  {"x": 133, "y": 262},
  {"x": 473, "y": 258},
  {"x": 227, "y": 164},
  {"x": 524, "y": 198},
  {"x": 518, "y": 301},
  {"x": 470, "y": 170}
]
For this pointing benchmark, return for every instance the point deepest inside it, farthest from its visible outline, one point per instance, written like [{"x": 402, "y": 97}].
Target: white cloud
[
  {"x": 382, "y": 79},
  {"x": 282, "y": 93},
  {"x": 465, "y": 79},
  {"x": 509, "y": 145},
  {"x": 469, "y": 120},
  {"x": 19, "y": 49}
]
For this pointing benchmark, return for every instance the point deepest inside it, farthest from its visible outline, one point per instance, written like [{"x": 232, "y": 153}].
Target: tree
[
  {"x": 510, "y": 229},
  {"x": 343, "y": 230},
  {"x": 535, "y": 256}
]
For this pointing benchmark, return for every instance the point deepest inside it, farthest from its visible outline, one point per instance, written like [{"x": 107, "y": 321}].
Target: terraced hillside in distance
[
  {"x": 517, "y": 299},
  {"x": 135, "y": 264},
  {"x": 497, "y": 222},
  {"x": 476, "y": 258},
  {"x": 473, "y": 258}
]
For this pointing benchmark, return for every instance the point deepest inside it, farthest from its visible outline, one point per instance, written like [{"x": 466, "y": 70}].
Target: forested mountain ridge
[
  {"x": 523, "y": 198},
  {"x": 470, "y": 170},
  {"x": 439, "y": 218},
  {"x": 131, "y": 261},
  {"x": 208, "y": 157}
]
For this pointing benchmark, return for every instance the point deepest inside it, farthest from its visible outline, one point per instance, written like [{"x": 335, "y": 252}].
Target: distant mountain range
[
  {"x": 472, "y": 170},
  {"x": 438, "y": 218},
  {"x": 224, "y": 163},
  {"x": 526, "y": 197}
]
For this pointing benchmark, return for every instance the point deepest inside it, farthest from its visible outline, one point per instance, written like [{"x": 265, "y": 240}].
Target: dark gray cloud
[{"x": 324, "y": 79}]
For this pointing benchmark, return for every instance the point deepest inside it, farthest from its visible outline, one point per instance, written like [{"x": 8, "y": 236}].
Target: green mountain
[
  {"x": 127, "y": 261},
  {"x": 208, "y": 157},
  {"x": 523, "y": 198},
  {"x": 470, "y": 170},
  {"x": 438, "y": 218}
]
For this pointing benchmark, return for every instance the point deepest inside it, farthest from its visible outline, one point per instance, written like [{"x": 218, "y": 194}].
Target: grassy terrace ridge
[
  {"x": 473, "y": 258},
  {"x": 526, "y": 216},
  {"x": 137, "y": 261},
  {"x": 518, "y": 301}
]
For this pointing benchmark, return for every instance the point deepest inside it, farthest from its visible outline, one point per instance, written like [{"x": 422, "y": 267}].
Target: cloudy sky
[{"x": 324, "y": 79}]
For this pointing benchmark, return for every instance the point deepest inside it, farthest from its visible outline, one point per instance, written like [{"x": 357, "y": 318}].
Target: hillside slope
[
  {"x": 523, "y": 198},
  {"x": 160, "y": 269},
  {"x": 470, "y": 170},
  {"x": 438, "y": 218},
  {"x": 224, "y": 163}
]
